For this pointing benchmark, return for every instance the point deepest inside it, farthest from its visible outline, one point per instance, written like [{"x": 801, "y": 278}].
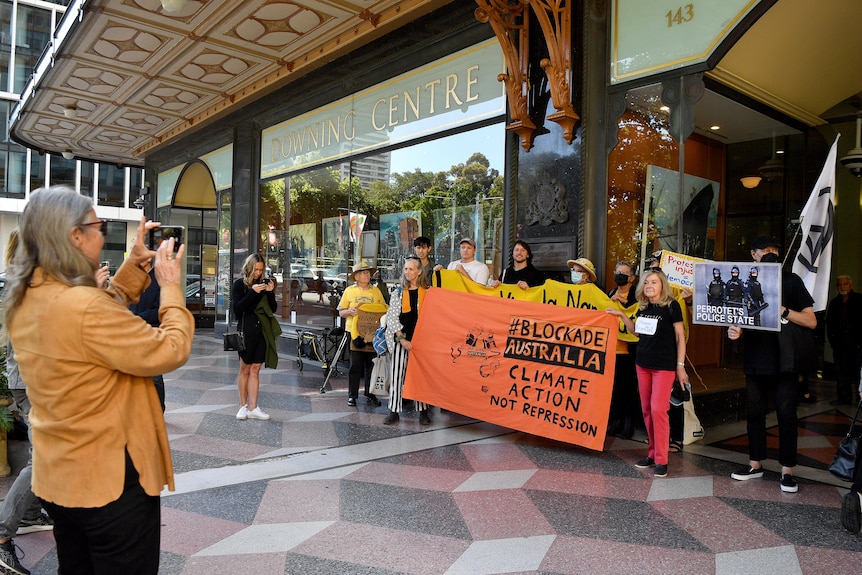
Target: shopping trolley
[{"x": 322, "y": 346}]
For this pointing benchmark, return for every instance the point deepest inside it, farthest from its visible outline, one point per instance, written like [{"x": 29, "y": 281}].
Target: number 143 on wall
[{"x": 682, "y": 15}]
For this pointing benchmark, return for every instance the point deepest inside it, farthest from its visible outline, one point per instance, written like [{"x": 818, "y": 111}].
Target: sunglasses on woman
[{"x": 103, "y": 226}]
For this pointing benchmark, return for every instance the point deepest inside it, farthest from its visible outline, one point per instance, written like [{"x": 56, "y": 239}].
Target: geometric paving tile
[
  {"x": 418, "y": 510},
  {"x": 680, "y": 488},
  {"x": 493, "y": 480},
  {"x": 769, "y": 561},
  {"x": 614, "y": 519},
  {"x": 502, "y": 556},
  {"x": 268, "y": 538}
]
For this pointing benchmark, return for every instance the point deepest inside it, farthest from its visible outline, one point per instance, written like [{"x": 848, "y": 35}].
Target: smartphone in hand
[{"x": 162, "y": 233}]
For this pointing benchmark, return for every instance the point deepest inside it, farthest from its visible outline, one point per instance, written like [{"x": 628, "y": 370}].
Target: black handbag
[
  {"x": 848, "y": 449},
  {"x": 795, "y": 348},
  {"x": 234, "y": 341}
]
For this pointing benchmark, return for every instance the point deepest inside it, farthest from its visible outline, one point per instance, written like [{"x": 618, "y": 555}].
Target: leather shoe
[
  {"x": 351, "y": 401},
  {"x": 391, "y": 418},
  {"x": 372, "y": 399},
  {"x": 423, "y": 417}
]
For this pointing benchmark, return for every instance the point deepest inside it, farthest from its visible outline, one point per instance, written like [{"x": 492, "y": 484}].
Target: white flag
[{"x": 813, "y": 261}]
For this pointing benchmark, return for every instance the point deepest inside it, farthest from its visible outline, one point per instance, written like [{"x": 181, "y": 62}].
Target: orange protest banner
[{"x": 537, "y": 368}]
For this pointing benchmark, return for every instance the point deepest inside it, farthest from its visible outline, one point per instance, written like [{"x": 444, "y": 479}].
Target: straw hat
[
  {"x": 587, "y": 265},
  {"x": 362, "y": 265}
]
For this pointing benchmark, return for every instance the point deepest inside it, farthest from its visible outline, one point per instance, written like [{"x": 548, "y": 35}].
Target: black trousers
[
  {"x": 848, "y": 363},
  {"x": 782, "y": 387},
  {"x": 120, "y": 537},
  {"x": 361, "y": 364}
]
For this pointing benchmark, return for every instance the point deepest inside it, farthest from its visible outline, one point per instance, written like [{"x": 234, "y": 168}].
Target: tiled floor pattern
[
  {"x": 327, "y": 489},
  {"x": 819, "y": 435}
]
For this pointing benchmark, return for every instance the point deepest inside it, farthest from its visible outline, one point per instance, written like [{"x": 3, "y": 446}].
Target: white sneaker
[
  {"x": 257, "y": 413},
  {"x": 242, "y": 413}
]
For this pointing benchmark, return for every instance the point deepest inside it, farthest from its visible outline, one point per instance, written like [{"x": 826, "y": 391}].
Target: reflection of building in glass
[
  {"x": 368, "y": 170},
  {"x": 408, "y": 230},
  {"x": 397, "y": 233}
]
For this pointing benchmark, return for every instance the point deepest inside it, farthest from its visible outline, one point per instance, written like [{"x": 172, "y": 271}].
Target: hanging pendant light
[{"x": 774, "y": 167}]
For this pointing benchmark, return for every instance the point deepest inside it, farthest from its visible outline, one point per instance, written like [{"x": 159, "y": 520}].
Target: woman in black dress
[{"x": 247, "y": 292}]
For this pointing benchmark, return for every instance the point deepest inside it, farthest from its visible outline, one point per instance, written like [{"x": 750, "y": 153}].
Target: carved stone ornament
[
  {"x": 548, "y": 204},
  {"x": 511, "y": 24}
]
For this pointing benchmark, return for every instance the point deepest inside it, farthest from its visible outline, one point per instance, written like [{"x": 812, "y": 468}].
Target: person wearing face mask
[
  {"x": 843, "y": 325},
  {"x": 582, "y": 271},
  {"x": 625, "y": 407},
  {"x": 521, "y": 272},
  {"x": 764, "y": 379}
]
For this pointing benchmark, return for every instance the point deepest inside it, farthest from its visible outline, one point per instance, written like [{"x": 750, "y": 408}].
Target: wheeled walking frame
[{"x": 323, "y": 346}]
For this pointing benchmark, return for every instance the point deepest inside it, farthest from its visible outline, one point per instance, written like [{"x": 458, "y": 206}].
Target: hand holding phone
[{"x": 162, "y": 233}]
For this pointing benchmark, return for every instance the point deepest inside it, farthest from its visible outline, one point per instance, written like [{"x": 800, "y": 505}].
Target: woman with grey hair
[
  {"x": 401, "y": 318},
  {"x": 100, "y": 448}
]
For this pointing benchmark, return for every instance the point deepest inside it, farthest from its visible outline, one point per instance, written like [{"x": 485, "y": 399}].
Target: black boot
[
  {"x": 614, "y": 427},
  {"x": 393, "y": 417},
  {"x": 628, "y": 429},
  {"x": 423, "y": 417}
]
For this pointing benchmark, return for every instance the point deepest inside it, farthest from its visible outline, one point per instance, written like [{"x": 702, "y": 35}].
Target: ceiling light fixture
[
  {"x": 750, "y": 182},
  {"x": 70, "y": 112},
  {"x": 773, "y": 168},
  {"x": 853, "y": 160},
  {"x": 715, "y": 127},
  {"x": 172, "y": 6},
  {"x": 68, "y": 154}
]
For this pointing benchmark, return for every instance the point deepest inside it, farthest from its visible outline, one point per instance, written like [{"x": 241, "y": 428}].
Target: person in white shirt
[{"x": 467, "y": 266}]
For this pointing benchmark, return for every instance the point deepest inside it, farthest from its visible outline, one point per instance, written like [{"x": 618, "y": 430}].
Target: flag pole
[{"x": 798, "y": 224}]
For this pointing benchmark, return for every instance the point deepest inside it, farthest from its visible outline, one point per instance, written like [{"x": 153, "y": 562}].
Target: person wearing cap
[
  {"x": 521, "y": 271},
  {"x": 582, "y": 271},
  {"x": 468, "y": 266},
  {"x": 763, "y": 377},
  {"x": 361, "y": 359}
]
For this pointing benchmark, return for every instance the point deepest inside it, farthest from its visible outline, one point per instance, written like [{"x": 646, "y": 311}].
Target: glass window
[
  {"x": 16, "y": 175},
  {"x": 115, "y": 244},
  {"x": 37, "y": 170},
  {"x": 223, "y": 281},
  {"x": 88, "y": 170},
  {"x": 111, "y": 185},
  {"x": 136, "y": 182},
  {"x": 32, "y": 34},
  {"x": 5, "y": 44},
  {"x": 62, "y": 171},
  {"x": 5, "y": 110},
  {"x": 373, "y": 208}
]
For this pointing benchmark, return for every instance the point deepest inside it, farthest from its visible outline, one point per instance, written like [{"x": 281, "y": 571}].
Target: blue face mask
[{"x": 577, "y": 277}]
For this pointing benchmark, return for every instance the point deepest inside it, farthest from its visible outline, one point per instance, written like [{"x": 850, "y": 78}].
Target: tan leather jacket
[{"x": 88, "y": 362}]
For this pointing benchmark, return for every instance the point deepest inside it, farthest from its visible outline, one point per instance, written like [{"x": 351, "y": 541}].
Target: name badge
[{"x": 646, "y": 325}]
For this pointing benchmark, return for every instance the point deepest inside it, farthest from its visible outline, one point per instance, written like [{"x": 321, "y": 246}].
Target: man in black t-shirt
[
  {"x": 521, "y": 270},
  {"x": 764, "y": 378}
]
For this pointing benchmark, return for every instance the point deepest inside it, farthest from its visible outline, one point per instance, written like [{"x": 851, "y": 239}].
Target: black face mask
[
  {"x": 621, "y": 279},
  {"x": 769, "y": 258}
]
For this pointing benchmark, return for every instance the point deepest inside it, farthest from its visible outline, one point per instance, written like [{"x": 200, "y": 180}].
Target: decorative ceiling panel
[{"x": 139, "y": 78}]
